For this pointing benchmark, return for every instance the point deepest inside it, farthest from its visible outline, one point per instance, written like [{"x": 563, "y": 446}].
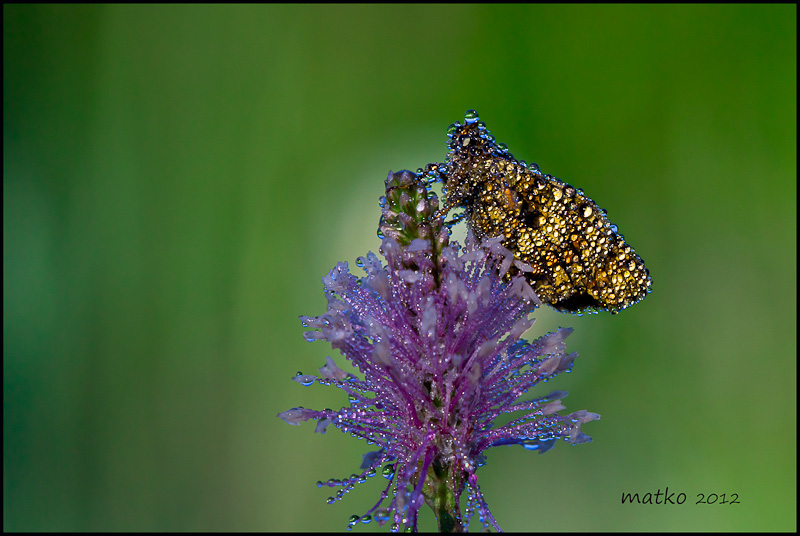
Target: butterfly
[{"x": 580, "y": 263}]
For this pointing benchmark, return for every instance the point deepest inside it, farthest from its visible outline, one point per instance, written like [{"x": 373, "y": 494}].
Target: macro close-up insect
[{"x": 579, "y": 263}]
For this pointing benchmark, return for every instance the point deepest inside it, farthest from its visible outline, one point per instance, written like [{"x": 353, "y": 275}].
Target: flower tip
[
  {"x": 322, "y": 426},
  {"x": 295, "y": 416},
  {"x": 553, "y": 407},
  {"x": 580, "y": 438},
  {"x": 584, "y": 416},
  {"x": 522, "y": 289},
  {"x": 330, "y": 371},
  {"x": 369, "y": 458},
  {"x": 522, "y": 325},
  {"x": 418, "y": 244}
]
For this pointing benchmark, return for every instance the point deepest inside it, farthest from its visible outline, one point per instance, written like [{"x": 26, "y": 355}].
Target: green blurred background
[{"x": 177, "y": 181}]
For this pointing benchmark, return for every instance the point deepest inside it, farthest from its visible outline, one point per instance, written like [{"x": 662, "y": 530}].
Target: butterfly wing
[{"x": 580, "y": 263}]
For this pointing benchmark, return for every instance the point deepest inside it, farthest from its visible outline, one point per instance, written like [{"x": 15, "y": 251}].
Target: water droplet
[
  {"x": 388, "y": 471},
  {"x": 471, "y": 116},
  {"x": 305, "y": 379},
  {"x": 452, "y": 129}
]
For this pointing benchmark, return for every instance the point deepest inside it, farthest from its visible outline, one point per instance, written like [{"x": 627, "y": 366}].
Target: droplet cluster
[{"x": 579, "y": 262}]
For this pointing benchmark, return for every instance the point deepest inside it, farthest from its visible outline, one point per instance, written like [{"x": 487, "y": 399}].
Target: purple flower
[{"x": 435, "y": 334}]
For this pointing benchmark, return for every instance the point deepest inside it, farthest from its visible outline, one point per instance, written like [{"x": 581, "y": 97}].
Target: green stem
[{"x": 441, "y": 490}]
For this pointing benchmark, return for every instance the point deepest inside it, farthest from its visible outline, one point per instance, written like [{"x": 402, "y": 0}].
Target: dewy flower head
[{"x": 436, "y": 333}]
